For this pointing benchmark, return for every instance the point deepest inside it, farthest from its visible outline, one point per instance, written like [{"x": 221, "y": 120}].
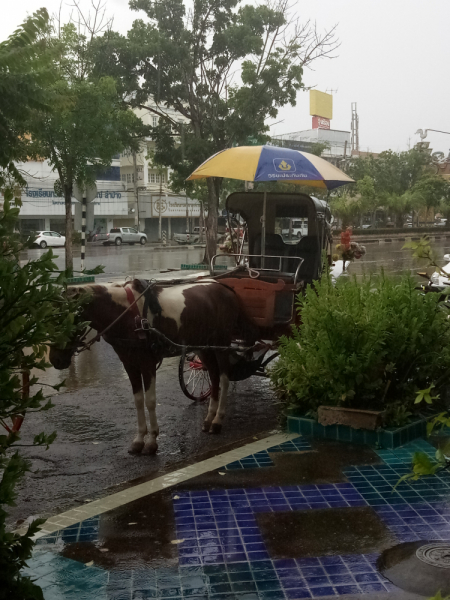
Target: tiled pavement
[
  {"x": 262, "y": 459},
  {"x": 221, "y": 550}
]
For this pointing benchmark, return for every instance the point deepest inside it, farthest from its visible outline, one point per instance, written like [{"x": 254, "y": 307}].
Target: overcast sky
[{"x": 393, "y": 61}]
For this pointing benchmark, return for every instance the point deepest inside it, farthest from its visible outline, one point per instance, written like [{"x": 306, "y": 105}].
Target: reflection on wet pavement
[
  {"x": 119, "y": 262},
  {"x": 253, "y": 541},
  {"x": 296, "y": 534}
]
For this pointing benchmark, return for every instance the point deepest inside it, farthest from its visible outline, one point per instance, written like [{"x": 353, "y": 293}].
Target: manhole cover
[
  {"x": 436, "y": 555},
  {"x": 421, "y": 567}
]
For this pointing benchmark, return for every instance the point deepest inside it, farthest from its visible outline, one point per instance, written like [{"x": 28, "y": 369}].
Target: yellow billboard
[{"x": 320, "y": 104}]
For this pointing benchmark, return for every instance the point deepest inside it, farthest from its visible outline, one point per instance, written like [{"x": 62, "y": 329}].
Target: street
[
  {"x": 122, "y": 261},
  {"x": 95, "y": 417},
  {"x": 147, "y": 261}
]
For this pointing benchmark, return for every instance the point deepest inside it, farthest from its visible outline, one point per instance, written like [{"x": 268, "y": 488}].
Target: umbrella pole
[{"x": 263, "y": 230}]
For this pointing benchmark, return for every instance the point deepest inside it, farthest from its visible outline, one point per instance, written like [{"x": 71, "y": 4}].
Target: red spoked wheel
[{"x": 194, "y": 377}]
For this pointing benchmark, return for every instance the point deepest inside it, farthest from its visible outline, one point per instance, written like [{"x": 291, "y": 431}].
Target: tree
[
  {"x": 23, "y": 73},
  {"x": 397, "y": 181},
  {"x": 224, "y": 67},
  {"x": 89, "y": 122},
  {"x": 33, "y": 314},
  {"x": 432, "y": 191}
]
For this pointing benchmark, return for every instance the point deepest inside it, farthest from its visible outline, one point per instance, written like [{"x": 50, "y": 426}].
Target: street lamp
[{"x": 423, "y": 133}]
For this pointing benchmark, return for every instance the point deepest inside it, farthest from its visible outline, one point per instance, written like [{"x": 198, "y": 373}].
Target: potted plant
[{"x": 369, "y": 344}]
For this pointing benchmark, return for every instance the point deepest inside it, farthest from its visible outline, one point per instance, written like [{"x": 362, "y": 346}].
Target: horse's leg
[
  {"x": 149, "y": 377},
  {"x": 210, "y": 362},
  {"x": 133, "y": 370},
  {"x": 224, "y": 370}
]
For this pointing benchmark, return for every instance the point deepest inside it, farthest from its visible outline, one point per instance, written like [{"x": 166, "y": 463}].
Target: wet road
[
  {"x": 146, "y": 262},
  {"x": 95, "y": 416},
  {"x": 393, "y": 259},
  {"x": 135, "y": 261}
]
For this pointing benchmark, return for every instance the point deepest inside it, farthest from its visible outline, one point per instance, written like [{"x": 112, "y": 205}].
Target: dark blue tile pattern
[
  {"x": 85, "y": 531},
  {"x": 262, "y": 459},
  {"x": 223, "y": 555}
]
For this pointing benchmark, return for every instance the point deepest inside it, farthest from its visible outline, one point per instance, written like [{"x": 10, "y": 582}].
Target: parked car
[
  {"x": 119, "y": 236},
  {"x": 298, "y": 228},
  {"x": 188, "y": 237},
  {"x": 49, "y": 238}
]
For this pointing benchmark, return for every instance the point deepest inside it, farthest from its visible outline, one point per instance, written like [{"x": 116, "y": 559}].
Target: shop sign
[{"x": 174, "y": 206}]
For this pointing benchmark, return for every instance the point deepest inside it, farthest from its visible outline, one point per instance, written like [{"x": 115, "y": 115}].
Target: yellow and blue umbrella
[{"x": 272, "y": 163}]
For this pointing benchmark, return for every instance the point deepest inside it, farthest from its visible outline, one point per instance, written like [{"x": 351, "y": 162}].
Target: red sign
[{"x": 320, "y": 123}]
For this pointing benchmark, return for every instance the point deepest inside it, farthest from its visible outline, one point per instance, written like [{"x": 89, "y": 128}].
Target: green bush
[
  {"x": 33, "y": 314},
  {"x": 372, "y": 343}
]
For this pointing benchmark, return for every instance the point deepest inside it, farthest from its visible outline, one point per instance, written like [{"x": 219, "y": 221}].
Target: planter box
[
  {"x": 351, "y": 417},
  {"x": 382, "y": 438},
  {"x": 80, "y": 279}
]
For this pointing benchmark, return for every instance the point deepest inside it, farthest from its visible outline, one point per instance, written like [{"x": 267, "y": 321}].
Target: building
[
  {"x": 338, "y": 141},
  {"x": 42, "y": 208},
  {"x": 119, "y": 203},
  {"x": 154, "y": 206}
]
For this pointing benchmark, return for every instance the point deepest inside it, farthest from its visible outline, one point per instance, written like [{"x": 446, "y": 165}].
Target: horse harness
[
  {"x": 143, "y": 329},
  {"x": 147, "y": 335}
]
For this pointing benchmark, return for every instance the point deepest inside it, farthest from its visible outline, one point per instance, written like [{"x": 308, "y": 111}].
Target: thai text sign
[{"x": 174, "y": 206}]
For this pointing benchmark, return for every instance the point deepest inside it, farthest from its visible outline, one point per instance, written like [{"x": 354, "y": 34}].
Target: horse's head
[{"x": 61, "y": 356}]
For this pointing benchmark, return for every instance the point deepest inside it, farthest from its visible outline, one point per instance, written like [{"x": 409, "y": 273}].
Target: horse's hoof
[
  {"x": 150, "y": 449},
  {"x": 136, "y": 448},
  {"x": 216, "y": 428},
  {"x": 206, "y": 427}
]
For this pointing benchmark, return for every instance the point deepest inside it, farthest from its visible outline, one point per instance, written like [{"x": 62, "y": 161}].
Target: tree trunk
[
  {"x": 69, "y": 228},
  {"x": 201, "y": 222},
  {"x": 211, "y": 220}
]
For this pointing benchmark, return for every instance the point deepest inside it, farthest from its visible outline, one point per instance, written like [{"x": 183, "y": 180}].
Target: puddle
[
  {"x": 135, "y": 536},
  {"x": 356, "y": 530},
  {"x": 324, "y": 464}
]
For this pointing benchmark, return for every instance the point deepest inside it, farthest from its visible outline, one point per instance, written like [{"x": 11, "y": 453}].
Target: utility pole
[
  {"x": 187, "y": 215},
  {"x": 83, "y": 227},
  {"x": 136, "y": 190},
  {"x": 160, "y": 202},
  {"x": 355, "y": 129}
]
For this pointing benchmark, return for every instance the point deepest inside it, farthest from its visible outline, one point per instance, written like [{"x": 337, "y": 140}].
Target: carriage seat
[{"x": 307, "y": 248}]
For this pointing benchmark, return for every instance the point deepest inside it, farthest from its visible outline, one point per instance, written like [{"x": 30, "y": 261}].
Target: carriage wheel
[{"x": 194, "y": 378}]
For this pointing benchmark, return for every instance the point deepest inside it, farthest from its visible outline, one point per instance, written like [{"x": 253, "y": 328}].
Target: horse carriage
[
  {"x": 226, "y": 325},
  {"x": 267, "y": 278}
]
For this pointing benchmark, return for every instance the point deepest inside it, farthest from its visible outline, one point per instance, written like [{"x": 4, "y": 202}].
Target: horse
[{"x": 204, "y": 313}]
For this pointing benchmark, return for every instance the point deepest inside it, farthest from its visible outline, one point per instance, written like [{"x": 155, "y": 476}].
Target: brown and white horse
[{"x": 196, "y": 314}]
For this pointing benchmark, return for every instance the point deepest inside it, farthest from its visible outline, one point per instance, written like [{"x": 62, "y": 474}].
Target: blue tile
[
  {"x": 298, "y": 593},
  {"x": 323, "y": 591},
  {"x": 347, "y": 589}
]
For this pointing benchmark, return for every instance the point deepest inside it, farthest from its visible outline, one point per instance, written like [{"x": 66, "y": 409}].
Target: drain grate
[{"x": 435, "y": 554}]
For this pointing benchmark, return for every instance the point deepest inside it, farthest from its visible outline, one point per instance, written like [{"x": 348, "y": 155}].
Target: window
[
  {"x": 130, "y": 177},
  {"x": 139, "y": 169},
  {"x": 156, "y": 177},
  {"x": 154, "y": 121},
  {"x": 123, "y": 177}
]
